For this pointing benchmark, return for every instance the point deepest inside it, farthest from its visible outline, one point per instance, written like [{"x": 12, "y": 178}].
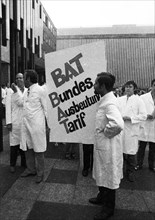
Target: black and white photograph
[{"x": 77, "y": 110}]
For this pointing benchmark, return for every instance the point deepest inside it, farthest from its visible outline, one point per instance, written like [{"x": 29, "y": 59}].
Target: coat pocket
[{"x": 102, "y": 142}]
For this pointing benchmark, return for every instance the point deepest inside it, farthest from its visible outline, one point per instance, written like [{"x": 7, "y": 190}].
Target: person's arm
[
  {"x": 43, "y": 99},
  {"x": 115, "y": 122},
  {"x": 142, "y": 113},
  {"x": 18, "y": 96}
]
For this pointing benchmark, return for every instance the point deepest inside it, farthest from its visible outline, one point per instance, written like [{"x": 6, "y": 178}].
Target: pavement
[{"x": 64, "y": 193}]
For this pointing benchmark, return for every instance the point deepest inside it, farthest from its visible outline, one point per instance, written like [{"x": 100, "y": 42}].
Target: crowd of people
[{"x": 124, "y": 124}]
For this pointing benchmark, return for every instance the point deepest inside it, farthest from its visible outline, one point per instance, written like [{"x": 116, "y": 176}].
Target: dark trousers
[
  {"x": 87, "y": 156},
  {"x": 3, "y": 113},
  {"x": 35, "y": 162},
  {"x": 107, "y": 197},
  {"x": 141, "y": 153},
  {"x": 129, "y": 163},
  {"x": 14, "y": 152}
]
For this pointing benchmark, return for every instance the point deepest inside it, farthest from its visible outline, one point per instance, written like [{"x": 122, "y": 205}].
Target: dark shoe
[
  {"x": 26, "y": 174},
  {"x": 138, "y": 167},
  {"x": 152, "y": 169},
  {"x": 12, "y": 169},
  {"x": 103, "y": 215},
  {"x": 84, "y": 173},
  {"x": 39, "y": 179},
  {"x": 130, "y": 177},
  {"x": 95, "y": 201}
]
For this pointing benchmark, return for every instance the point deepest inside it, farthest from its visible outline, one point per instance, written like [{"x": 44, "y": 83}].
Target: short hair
[
  {"x": 107, "y": 79},
  {"x": 131, "y": 82},
  {"x": 32, "y": 74},
  {"x": 20, "y": 74},
  {"x": 152, "y": 82}
]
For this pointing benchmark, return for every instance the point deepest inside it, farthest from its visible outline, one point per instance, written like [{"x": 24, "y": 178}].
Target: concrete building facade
[
  {"x": 27, "y": 33},
  {"x": 130, "y": 50}
]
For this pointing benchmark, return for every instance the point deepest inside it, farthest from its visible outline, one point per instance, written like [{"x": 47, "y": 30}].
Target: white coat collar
[
  {"x": 32, "y": 86},
  {"x": 150, "y": 98},
  {"x": 108, "y": 97}
]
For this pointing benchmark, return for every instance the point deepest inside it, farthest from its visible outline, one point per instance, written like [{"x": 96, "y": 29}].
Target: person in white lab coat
[
  {"x": 133, "y": 111},
  {"x": 33, "y": 138},
  {"x": 3, "y": 97},
  {"x": 3, "y": 94},
  {"x": 108, "y": 151},
  {"x": 14, "y": 113},
  {"x": 147, "y": 130}
]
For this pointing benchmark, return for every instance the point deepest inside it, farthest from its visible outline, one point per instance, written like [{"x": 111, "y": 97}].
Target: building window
[
  {"x": 38, "y": 46},
  {"x": 4, "y": 41},
  {"x": 40, "y": 11},
  {"x": 33, "y": 4},
  {"x": 46, "y": 21}
]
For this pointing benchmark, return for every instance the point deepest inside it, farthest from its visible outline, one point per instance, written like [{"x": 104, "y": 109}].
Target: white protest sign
[{"x": 70, "y": 76}]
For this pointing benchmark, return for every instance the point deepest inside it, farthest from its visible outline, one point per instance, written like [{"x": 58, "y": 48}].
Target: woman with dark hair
[
  {"x": 108, "y": 152},
  {"x": 133, "y": 111}
]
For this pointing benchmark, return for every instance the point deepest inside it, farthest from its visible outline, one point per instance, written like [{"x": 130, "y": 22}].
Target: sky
[{"x": 75, "y": 14}]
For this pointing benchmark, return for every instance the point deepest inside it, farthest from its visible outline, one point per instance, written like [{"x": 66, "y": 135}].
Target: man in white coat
[
  {"x": 147, "y": 130},
  {"x": 108, "y": 151},
  {"x": 33, "y": 139},
  {"x": 14, "y": 114},
  {"x": 133, "y": 111}
]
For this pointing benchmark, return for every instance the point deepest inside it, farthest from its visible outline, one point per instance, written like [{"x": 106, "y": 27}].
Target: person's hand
[
  {"x": 14, "y": 87},
  {"x": 150, "y": 117},
  {"x": 9, "y": 127},
  {"x": 126, "y": 118}
]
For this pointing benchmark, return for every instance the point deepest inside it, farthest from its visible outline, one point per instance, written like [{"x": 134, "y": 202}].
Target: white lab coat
[
  {"x": 33, "y": 123},
  {"x": 134, "y": 108},
  {"x": 14, "y": 113},
  {"x": 108, "y": 152},
  {"x": 147, "y": 128},
  {"x": 3, "y": 95}
]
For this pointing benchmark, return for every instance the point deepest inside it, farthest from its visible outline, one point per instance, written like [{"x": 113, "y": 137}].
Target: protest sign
[{"x": 70, "y": 76}]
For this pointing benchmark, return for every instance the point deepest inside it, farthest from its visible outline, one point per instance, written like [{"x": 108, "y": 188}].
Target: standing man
[
  {"x": 33, "y": 139},
  {"x": 14, "y": 114},
  {"x": 147, "y": 130},
  {"x": 133, "y": 112},
  {"x": 108, "y": 152}
]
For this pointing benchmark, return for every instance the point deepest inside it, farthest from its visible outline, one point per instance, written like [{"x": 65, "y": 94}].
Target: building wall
[
  {"x": 24, "y": 23},
  {"x": 129, "y": 57}
]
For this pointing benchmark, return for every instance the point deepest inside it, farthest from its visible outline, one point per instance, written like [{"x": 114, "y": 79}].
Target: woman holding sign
[{"x": 108, "y": 151}]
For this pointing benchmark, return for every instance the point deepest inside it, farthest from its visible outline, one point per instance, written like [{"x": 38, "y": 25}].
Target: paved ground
[{"x": 65, "y": 192}]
